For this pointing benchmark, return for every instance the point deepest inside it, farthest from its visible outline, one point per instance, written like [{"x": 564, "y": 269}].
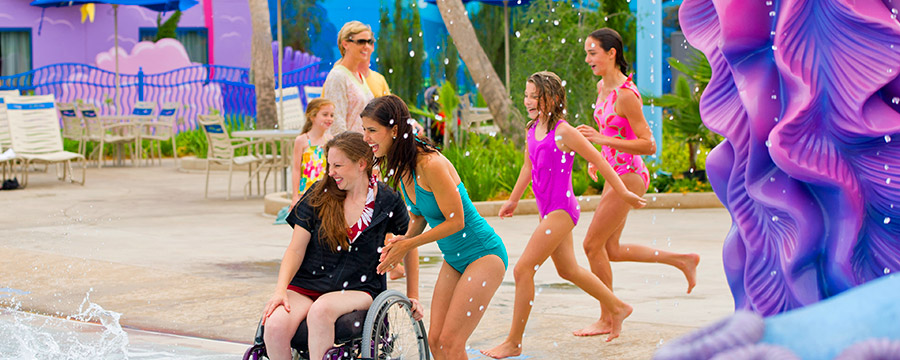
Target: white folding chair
[
  {"x": 34, "y": 129},
  {"x": 221, "y": 150},
  {"x": 119, "y": 130},
  {"x": 312, "y": 92}
]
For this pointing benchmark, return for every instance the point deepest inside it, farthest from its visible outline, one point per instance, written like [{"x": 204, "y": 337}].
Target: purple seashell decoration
[{"x": 807, "y": 96}]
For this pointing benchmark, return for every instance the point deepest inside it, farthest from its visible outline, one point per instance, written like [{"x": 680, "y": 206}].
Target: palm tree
[
  {"x": 490, "y": 85},
  {"x": 262, "y": 65}
]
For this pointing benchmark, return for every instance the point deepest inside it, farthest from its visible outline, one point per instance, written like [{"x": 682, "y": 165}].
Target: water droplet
[
  {"x": 887, "y": 271},
  {"x": 887, "y": 220},
  {"x": 468, "y": 313},
  {"x": 656, "y": 253},
  {"x": 774, "y": 97},
  {"x": 887, "y": 138},
  {"x": 481, "y": 308},
  {"x": 887, "y": 181},
  {"x": 531, "y": 302},
  {"x": 483, "y": 283},
  {"x": 568, "y": 193},
  {"x": 769, "y": 3},
  {"x": 555, "y": 22},
  {"x": 768, "y": 143},
  {"x": 391, "y": 71},
  {"x": 467, "y": 153},
  {"x": 772, "y": 179},
  {"x": 356, "y": 323},
  {"x": 470, "y": 299},
  {"x": 771, "y": 13},
  {"x": 536, "y": 267},
  {"x": 774, "y": 48},
  {"x": 775, "y": 218},
  {"x": 547, "y": 232},
  {"x": 895, "y": 100},
  {"x": 773, "y": 273},
  {"x": 339, "y": 248},
  {"x": 346, "y": 283},
  {"x": 518, "y": 34}
]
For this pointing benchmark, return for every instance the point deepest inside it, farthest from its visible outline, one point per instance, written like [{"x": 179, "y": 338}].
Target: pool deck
[{"x": 144, "y": 242}]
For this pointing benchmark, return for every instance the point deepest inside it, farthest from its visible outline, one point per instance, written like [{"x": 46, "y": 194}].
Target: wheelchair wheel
[{"x": 390, "y": 331}]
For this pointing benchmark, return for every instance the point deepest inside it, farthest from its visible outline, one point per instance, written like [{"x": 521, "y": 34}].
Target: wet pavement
[{"x": 145, "y": 243}]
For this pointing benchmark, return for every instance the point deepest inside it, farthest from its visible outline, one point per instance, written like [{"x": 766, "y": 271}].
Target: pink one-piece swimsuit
[
  {"x": 551, "y": 175},
  {"x": 611, "y": 124}
]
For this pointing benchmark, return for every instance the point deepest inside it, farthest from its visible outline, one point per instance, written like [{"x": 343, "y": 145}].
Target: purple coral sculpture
[{"x": 807, "y": 96}]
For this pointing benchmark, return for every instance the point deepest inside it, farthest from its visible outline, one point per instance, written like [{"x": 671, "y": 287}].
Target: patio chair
[
  {"x": 36, "y": 138},
  {"x": 118, "y": 130},
  {"x": 161, "y": 129},
  {"x": 292, "y": 115},
  {"x": 476, "y": 119},
  {"x": 73, "y": 127},
  {"x": 312, "y": 92},
  {"x": 222, "y": 148},
  {"x": 6, "y": 162}
]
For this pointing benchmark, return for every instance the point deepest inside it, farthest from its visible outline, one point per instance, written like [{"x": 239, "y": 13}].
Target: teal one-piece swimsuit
[{"x": 473, "y": 242}]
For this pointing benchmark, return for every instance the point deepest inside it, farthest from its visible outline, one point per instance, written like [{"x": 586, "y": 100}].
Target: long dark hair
[
  {"x": 551, "y": 98},
  {"x": 400, "y": 160},
  {"x": 610, "y": 39},
  {"x": 328, "y": 199}
]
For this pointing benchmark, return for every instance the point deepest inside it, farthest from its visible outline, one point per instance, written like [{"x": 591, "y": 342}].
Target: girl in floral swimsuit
[
  {"x": 309, "y": 154},
  {"x": 624, "y": 135}
]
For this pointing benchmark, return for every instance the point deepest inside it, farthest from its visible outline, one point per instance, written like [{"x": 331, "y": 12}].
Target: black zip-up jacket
[{"x": 349, "y": 269}]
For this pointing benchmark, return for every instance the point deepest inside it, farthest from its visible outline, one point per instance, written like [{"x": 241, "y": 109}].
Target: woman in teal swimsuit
[{"x": 474, "y": 256}]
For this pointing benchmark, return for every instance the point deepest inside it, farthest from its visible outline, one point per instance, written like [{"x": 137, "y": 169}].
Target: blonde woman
[{"x": 345, "y": 85}]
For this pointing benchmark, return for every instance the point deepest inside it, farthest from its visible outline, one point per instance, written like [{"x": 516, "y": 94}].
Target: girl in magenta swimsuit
[
  {"x": 551, "y": 146},
  {"x": 624, "y": 135}
]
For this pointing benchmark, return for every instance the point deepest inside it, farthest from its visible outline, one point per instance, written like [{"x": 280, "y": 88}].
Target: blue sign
[
  {"x": 141, "y": 111},
  {"x": 214, "y": 129},
  {"x": 37, "y": 106},
  {"x": 167, "y": 112}
]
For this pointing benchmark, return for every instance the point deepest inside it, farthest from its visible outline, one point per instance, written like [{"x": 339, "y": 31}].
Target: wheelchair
[{"x": 386, "y": 331}]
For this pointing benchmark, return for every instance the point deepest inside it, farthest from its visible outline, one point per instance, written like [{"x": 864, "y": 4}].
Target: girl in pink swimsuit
[
  {"x": 552, "y": 144},
  {"x": 625, "y": 136}
]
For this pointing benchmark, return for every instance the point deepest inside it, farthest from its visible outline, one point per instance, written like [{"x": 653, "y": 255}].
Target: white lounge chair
[
  {"x": 6, "y": 162},
  {"x": 292, "y": 115},
  {"x": 36, "y": 138},
  {"x": 221, "y": 150},
  {"x": 312, "y": 92}
]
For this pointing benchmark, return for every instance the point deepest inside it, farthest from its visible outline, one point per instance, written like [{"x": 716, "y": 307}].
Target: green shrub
[{"x": 488, "y": 166}]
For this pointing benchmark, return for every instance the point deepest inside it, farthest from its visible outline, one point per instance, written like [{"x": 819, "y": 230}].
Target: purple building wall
[{"x": 63, "y": 38}]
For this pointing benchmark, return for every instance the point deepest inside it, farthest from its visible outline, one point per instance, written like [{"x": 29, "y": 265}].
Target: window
[
  {"x": 193, "y": 39},
  {"x": 15, "y": 51}
]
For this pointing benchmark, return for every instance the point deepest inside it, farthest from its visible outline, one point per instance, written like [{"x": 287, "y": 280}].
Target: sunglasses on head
[{"x": 362, "y": 41}]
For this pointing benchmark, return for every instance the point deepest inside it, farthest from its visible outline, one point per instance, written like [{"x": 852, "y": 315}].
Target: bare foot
[
  {"x": 504, "y": 350},
  {"x": 602, "y": 326},
  {"x": 689, "y": 268},
  {"x": 398, "y": 272},
  {"x": 617, "y": 319}
]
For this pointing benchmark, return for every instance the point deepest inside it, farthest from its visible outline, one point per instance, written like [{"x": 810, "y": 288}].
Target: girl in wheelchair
[{"x": 329, "y": 268}]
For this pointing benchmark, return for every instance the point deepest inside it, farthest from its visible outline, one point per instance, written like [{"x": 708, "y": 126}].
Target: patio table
[{"x": 275, "y": 136}]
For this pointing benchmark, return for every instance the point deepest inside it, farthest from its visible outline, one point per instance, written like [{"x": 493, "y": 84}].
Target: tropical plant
[
  {"x": 550, "y": 36},
  {"x": 683, "y": 106},
  {"x": 446, "y": 63},
  {"x": 299, "y": 18},
  {"x": 510, "y": 121},
  {"x": 168, "y": 29},
  {"x": 488, "y": 166},
  {"x": 401, "y": 50}
]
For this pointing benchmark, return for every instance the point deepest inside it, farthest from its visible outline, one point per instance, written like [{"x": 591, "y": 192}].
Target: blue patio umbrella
[
  {"x": 155, "y": 5},
  {"x": 506, "y": 4}
]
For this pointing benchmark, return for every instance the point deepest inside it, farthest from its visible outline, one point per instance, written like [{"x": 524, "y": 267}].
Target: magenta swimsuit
[
  {"x": 551, "y": 175},
  {"x": 612, "y": 125}
]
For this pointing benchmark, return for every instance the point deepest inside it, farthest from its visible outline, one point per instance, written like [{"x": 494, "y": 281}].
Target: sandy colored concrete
[{"x": 145, "y": 243}]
